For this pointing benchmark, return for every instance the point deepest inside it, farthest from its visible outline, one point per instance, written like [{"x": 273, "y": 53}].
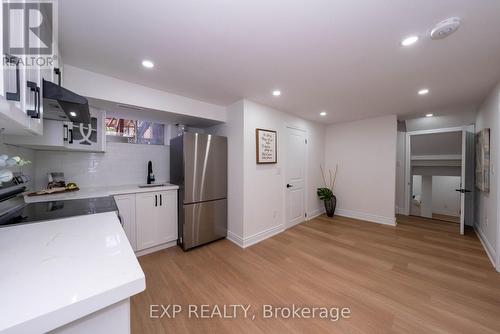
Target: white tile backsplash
[{"x": 121, "y": 164}]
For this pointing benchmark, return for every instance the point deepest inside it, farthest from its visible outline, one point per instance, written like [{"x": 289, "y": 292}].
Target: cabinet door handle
[
  {"x": 57, "y": 71},
  {"x": 65, "y": 132},
  {"x": 156, "y": 200},
  {"x": 70, "y": 135},
  {"x": 160, "y": 199},
  {"x": 16, "y": 96},
  {"x": 38, "y": 100},
  {"x": 33, "y": 88}
]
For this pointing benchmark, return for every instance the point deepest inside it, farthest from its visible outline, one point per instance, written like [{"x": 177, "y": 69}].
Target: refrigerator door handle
[
  {"x": 156, "y": 200},
  {"x": 160, "y": 200}
]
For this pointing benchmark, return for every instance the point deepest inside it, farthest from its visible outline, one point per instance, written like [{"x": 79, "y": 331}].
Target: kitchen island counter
[{"x": 56, "y": 273}]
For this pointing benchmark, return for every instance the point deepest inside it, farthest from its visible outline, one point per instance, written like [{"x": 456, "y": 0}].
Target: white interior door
[
  {"x": 467, "y": 184},
  {"x": 295, "y": 176}
]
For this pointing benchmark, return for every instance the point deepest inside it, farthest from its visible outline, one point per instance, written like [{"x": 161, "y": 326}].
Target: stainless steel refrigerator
[{"x": 198, "y": 165}]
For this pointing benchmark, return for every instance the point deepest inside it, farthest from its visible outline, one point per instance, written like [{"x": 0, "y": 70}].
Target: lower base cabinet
[
  {"x": 126, "y": 210},
  {"x": 149, "y": 219}
]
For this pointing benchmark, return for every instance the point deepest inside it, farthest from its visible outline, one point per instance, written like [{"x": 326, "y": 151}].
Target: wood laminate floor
[
  {"x": 451, "y": 219},
  {"x": 418, "y": 277}
]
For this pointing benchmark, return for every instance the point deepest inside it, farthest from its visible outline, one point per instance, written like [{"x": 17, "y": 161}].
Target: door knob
[{"x": 288, "y": 185}]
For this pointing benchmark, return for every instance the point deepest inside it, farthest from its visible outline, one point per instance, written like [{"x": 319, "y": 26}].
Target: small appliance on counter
[
  {"x": 56, "y": 180},
  {"x": 198, "y": 165},
  {"x": 13, "y": 209}
]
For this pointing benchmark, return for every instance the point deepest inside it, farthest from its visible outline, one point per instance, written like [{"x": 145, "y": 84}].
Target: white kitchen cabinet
[
  {"x": 146, "y": 220},
  {"x": 156, "y": 218},
  {"x": 126, "y": 209},
  {"x": 167, "y": 217},
  {"x": 21, "y": 110},
  {"x": 21, "y": 87},
  {"x": 66, "y": 136},
  {"x": 86, "y": 137}
]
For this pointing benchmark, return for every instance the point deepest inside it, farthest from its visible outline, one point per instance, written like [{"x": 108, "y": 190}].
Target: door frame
[
  {"x": 408, "y": 179},
  {"x": 306, "y": 178}
]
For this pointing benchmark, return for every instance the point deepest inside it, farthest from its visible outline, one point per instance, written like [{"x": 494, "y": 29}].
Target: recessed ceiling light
[
  {"x": 72, "y": 113},
  {"x": 409, "y": 40},
  {"x": 276, "y": 92},
  {"x": 429, "y": 115},
  {"x": 323, "y": 113},
  {"x": 423, "y": 91},
  {"x": 148, "y": 64}
]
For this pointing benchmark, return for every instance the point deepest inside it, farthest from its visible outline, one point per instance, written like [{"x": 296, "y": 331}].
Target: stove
[{"x": 13, "y": 209}]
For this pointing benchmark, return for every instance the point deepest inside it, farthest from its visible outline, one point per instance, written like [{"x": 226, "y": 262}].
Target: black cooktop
[{"x": 36, "y": 212}]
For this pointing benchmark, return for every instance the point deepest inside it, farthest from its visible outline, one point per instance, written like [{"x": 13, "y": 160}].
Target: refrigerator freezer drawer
[{"x": 203, "y": 222}]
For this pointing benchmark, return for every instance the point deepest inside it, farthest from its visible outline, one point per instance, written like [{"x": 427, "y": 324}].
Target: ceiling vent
[
  {"x": 445, "y": 28},
  {"x": 128, "y": 107}
]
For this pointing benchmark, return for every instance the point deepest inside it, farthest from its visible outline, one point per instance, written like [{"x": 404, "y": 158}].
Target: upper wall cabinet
[
  {"x": 24, "y": 65},
  {"x": 67, "y": 136}
]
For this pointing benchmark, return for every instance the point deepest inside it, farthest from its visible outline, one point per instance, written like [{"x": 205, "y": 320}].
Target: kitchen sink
[{"x": 152, "y": 185}]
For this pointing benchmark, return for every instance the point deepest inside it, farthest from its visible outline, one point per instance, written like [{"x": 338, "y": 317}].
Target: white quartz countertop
[
  {"x": 55, "y": 272},
  {"x": 89, "y": 192}
]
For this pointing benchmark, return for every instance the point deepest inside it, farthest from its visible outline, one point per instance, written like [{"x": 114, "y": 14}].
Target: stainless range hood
[{"x": 61, "y": 104}]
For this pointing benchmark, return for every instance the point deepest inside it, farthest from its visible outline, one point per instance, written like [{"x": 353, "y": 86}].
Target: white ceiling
[{"x": 339, "y": 56}]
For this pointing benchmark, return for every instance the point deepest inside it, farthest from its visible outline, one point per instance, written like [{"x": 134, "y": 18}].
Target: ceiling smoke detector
[{"x": 445, "y": 28}]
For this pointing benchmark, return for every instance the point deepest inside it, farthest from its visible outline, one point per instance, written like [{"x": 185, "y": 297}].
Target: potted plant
[{"x": 326, "y": 193}]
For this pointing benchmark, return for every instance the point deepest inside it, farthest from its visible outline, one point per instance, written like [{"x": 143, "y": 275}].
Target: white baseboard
[
  {"x": 255, "y": 238},
  {"x": 400, "y": 211},
  {"x": 446, "y": 213},
  {"x": 234, "y": 238},
  {"x": 315, "y": 213},
  {"x": 156, "y": 248},
  {"x": 258, "y": 237},
  {"x": 490, "y": 251},
  {"x": 366, "y": 216}
]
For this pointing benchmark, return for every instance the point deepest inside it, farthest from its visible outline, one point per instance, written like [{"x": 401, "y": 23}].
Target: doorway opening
[
  {"x": 440, "y": 175},
  {"x": 436, "y": 197}
]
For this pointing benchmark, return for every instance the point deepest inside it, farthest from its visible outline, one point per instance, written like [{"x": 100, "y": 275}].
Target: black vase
[{"x": 330, "y": 205}]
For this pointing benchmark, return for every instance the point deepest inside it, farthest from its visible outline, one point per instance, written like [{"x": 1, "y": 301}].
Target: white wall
[
  {"x": 486, "y": 207},
  {"x": 265, "y": 184},
  {"x": 426, "y": 197},
  {"x": 366, "y": 154},
  {"x": 257, "y": 192},
  {"x": 121, "y": 164},
  {"x": 400, "y": 172},
  {"x": 99, "y": 86},
  {"x": 233, "y": 130},
  {"x": 445, "y": 200}
]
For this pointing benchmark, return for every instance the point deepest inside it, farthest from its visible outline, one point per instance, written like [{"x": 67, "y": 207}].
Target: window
[{"x": 122, "y": 130}]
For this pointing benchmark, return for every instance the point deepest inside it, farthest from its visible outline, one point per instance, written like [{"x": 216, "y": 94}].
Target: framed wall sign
[
  {"x": 267, "y": 146},
  {"x": 483, "y": 160}
]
